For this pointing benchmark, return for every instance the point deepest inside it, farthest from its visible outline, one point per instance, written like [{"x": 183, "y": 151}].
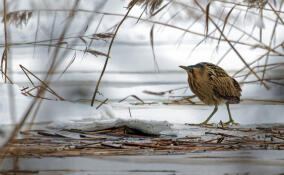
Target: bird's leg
[
  {"x": 210, "y": 116},
  {"x": 205, "y": 123},
  {"x": 230, "y": 116}
]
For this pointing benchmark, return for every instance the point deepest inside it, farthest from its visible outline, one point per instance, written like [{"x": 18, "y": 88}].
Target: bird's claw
[{"x": 230, "y": 122}]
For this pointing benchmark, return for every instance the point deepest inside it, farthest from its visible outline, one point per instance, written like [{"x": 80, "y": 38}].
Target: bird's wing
[
  {"x": 215, "y": 70},
  {"x": 222, "y": 84},
  {"x": 237, "y": 85},
  {"x": 226, "y": 88}
]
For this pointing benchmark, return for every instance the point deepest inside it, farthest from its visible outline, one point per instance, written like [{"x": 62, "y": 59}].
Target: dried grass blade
[
  {"x": 96, "y": 31},
  {"x": 270, "y": 43},
  {"x": 228, "y": 51},
  {"x": 6, "y": 40},
  {"x": 234, "y": 23},
  {"x": 276, "y": 13},
  {"x": 184, "y": 33},
  {"x": 36, "y": 33},
  {"x": 108, "y": 54},
  {"x": 52, "y": 30},
  {"x": 3, "y": 59},
  {"x": 274, "y": 82},
  {"x": 163, "y": 24},
  {"x": 104, "y": 102},
  {"x": 27, "y": 75},
  {"x": 152, "y": 46},
  {"x": 85, "y": 42},
  {"x": 134, "y": 96},
  {"x": 141, "y": 15},
  {"x": 69, "y": 64},
  {"x": 207, "y": 19},
  {"x": 133, "y": 2},
  {"x": 257, "y": 59},
  {"x": 42, "y": 82},
  {"x": 260, "y": 28},
  {"x": 200, "y": 42},
  {"x": 6, "y": 77},
  {"x": 102, "y": 35},
  {"x": 97, "y": 53},
  {"x": 154, "y": 93},
  {"x": 238, "y": 54},
  {"x": 225, "y": 22},
  {"x": 160, "y": 9}
]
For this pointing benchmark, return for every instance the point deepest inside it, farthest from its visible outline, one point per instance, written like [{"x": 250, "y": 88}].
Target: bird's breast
[{"x": 204, "y": 92}]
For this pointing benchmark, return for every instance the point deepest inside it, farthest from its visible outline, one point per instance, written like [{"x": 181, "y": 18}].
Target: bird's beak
[
  {"x": 184, "y": 67},
  {"x": 187, "y": 68}
]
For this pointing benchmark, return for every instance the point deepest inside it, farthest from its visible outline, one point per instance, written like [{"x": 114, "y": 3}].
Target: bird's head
[{"x": 194, "y": 71}]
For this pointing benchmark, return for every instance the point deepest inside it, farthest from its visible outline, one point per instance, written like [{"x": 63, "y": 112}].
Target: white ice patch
[
  {"x": 105, "y": 118},
  {"x": 148, "y": 127}
]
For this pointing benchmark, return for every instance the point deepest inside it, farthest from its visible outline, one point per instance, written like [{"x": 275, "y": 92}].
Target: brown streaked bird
[{"x": 213, "y": 86}]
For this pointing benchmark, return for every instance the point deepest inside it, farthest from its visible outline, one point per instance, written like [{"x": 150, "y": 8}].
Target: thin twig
[
  {"x": 270, "y": 42},
  {"x": 257, "y": 59},
  {"x": 108, "y": 54},
  {"x": 6, "y": 38},
  {"x": 6, "y": 77},
  {"x": 104, "y": 102},
  {"x": 277, "y": 12},
  {"x": 42, "y": 82},
  {"x": 156, "y": 66},
  {"x": 175, "y": 27},
  {"x": 134, "y": 96},
  {"x": 239, "y": 55},
  {"x": 271, "y": 67}
]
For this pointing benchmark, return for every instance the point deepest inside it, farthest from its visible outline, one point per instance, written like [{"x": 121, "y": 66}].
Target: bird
[{"x": 213, "y": 86}]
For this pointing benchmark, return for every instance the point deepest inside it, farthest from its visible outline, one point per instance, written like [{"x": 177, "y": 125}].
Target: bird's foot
[
  {"x": 204, "y": 124},
  {"x": 230, "y": 122}
]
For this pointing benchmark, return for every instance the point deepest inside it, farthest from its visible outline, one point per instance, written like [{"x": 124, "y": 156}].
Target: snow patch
[{"x": 145, "y": 126}]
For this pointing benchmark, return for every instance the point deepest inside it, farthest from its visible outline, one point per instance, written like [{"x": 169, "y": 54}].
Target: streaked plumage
[{"x": 213, "y": 86}]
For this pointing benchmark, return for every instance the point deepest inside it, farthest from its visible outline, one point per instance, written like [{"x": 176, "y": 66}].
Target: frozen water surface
[
  {"x": 211, "y": 163},
  {"x": 157, "y": 119}
]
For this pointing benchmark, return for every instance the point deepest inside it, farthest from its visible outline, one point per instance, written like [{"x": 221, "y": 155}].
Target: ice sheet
[{"x": 146, "y": 126}]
